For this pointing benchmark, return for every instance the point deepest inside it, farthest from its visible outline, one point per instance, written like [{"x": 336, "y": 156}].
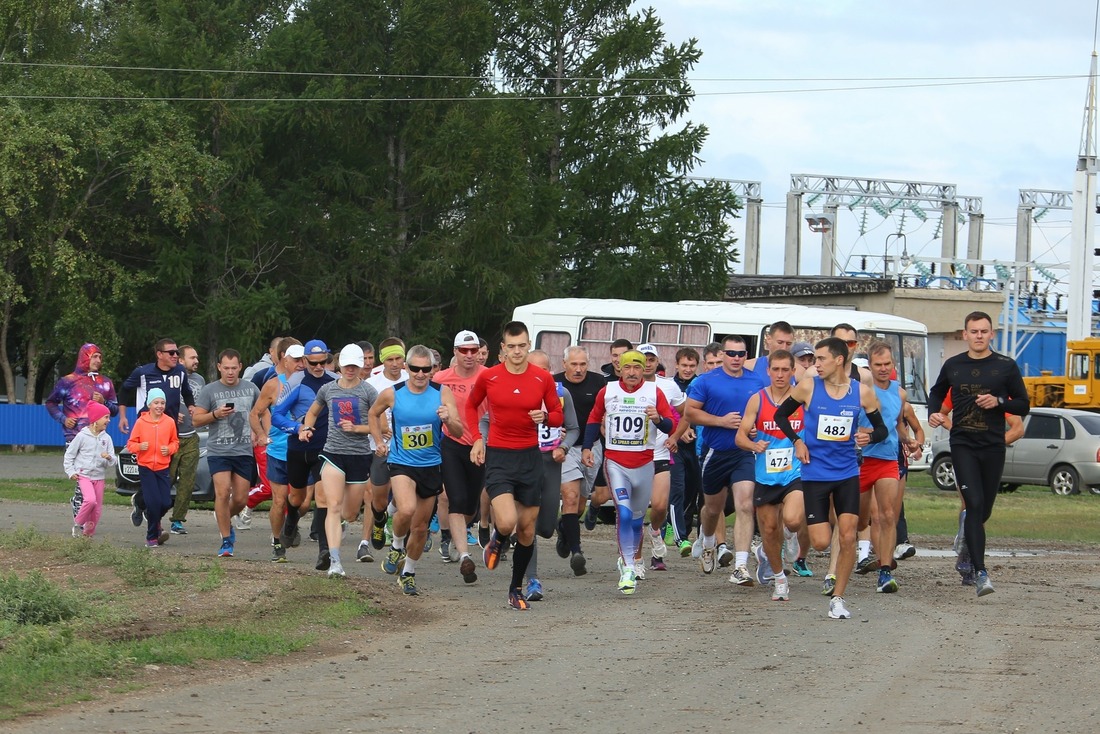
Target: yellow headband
[
  {"x": 393, "y": 350},
  {"x": 631, "y": 357}
]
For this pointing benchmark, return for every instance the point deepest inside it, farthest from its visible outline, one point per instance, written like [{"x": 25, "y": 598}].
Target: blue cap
[{"x": 315, "y": 347}]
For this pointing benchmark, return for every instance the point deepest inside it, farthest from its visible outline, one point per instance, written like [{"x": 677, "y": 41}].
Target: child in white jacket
[{"x": 87, "y": 458}]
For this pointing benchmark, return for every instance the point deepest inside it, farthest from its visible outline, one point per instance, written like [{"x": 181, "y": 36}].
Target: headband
[
  {"x": 631, "y": 357},
  {"x": 393, "y": 350}
]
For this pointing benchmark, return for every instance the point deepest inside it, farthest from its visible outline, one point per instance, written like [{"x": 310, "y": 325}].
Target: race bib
[
  {"x": 549, "y": 437},
  {"x": 414, "y": 438},
  {"x": 834, "y": 428},
  {"x": 627, "y": 429},
  {"x": 778, "y": 460}
]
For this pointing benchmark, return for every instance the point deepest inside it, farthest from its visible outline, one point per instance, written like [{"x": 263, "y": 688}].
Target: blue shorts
[
  {"x": 242, "y": 466},
  {"x": 277, "y": 471},
  {"x": 354, "y": 467},
  {"x": 723, "y": 469}
]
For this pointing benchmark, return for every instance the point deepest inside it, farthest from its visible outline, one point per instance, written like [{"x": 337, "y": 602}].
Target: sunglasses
[
  {"x": 736, "y": 352},
  {"x": 852, "y": 343},
  {"x": 423, "y": 370},
  {"x": 173, "y": 352},
  {"x": 316, "y": 363},
  {"x": 468, "y": 350}
]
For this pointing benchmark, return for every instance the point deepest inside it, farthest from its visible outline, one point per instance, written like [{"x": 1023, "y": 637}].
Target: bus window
[
  {"x": 554, "y": 344},
  {"x": 913, "y": 368},
  {"x": 598, "y": 334},
  {"x": 669, "y": 337}
]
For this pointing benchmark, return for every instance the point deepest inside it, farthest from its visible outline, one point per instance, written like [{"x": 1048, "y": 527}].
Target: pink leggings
[{"x": 92, "y": 509}]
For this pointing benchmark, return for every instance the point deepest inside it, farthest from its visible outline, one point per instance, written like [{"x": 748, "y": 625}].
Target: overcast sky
[{"x": 989, "y": 139}]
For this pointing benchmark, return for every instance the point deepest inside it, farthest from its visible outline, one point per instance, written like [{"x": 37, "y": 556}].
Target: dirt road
[{"x": 687, "y": 652}]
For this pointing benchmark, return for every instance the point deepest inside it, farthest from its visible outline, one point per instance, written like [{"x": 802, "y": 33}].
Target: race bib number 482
[{"x": 834, "y": 428}]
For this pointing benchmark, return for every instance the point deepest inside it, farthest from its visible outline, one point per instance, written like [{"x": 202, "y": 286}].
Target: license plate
[{"x": 129, "y": 470}]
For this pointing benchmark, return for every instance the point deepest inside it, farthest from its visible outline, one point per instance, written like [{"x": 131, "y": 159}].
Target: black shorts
[
  {"x": 774, "y": 494},
  {"x": 354, "y": 467},
  {"x": 462, "y": 479},
  {"x": 303, "y": 467},
  {"x": 660, "y": 465},
  {"x": 844, "y": 494},
  {"x": 428, "y": 480},
  {"x": 517, "y": 472},
  {"x": 723, "y": 469}
]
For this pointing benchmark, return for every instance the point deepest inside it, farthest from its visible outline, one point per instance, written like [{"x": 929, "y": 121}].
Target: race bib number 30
[
  {"x": 417, "y": 437},
  {"x": 778, "y": 460},
  {"x": 834, "y": 428}
]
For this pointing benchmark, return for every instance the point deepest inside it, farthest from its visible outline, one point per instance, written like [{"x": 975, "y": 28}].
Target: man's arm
[
  {"x": 747, "y": 423},
  {"x": 1017, "y": 401}
]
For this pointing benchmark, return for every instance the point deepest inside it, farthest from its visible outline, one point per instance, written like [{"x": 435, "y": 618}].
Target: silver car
[{"x": 1060, "y": 449}]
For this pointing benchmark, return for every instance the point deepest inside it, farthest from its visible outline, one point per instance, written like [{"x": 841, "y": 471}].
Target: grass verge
[{"x": 81, "y": 618}]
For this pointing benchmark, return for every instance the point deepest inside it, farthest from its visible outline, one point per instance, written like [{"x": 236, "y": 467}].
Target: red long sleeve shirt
[{"x": 511, "y": 397}]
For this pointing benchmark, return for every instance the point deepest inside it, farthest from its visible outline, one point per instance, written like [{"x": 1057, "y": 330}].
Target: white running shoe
[
  {"x": 837, "y": 610},
  {"x": 782, "y": 591},
  {"x": 657, "y": 541},
  {"x": 336, "y": 570},
  {"x": 639, "y": 570},
  {"x": 742, "y": 577},
  {"x": 725, "y": 555},
  {"x": 627, "y": 582},
  {"x": 697, "y": 548},
  {"x": 903, "y": 551},
  {"x": 708, "y": 560},
  {"x": 243, "y": 521}
]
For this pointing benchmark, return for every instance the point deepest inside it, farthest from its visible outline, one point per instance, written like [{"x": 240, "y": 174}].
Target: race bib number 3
[
  {"x": 549, "y": 438},
  {"x": 834, "y": 428},
  {"x": 417, "y": 437},
  {"x": 778, "y": 460}
]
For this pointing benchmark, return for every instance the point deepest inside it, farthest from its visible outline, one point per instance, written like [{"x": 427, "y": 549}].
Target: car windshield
[{"x": 1090, "y": 423}]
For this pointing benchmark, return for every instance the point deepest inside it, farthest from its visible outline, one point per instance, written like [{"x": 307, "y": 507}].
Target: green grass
[{"x": 66, "y": 642}]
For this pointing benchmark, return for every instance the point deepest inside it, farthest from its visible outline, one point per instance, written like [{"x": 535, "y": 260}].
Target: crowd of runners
[{"x": 803, "y": 447}]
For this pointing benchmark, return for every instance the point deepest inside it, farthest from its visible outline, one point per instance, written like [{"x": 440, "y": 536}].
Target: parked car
[
  {"x": 1060, "y": 449},
  {"x": 127, "y": 482}
]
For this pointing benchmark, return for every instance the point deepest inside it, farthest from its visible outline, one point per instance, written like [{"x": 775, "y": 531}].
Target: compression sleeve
[
  {"x": 879, "y": 431},
  {"x": 782, "y": 418},
  {"x": 591, "y": 435}
]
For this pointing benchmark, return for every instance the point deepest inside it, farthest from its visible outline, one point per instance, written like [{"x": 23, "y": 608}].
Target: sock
[
  {"x": 275, "y": 541},
  {"x": 483, "y": 535},
  {"x": 363, "y": 542},
  {"x": 445, "y": 535},
  {"x": 571, "y": 529},
  {"x": 864, "y": 547},
  {"x": 780, "y": 577},
  {"x": 741, "y": 558},
  {"x": 709, "y": 541},
  {"x": 319, "y": 516},
  {"x": 884, "y": 568},
  {"x": 391, "y": 509},
  {"x": 379, "y": 517},
  {"x": 410, "y": 567},
  {"x": 521, "y": 557},
  {"x": 290, "y": 524},
  {"x": 334, "y": 554},
  {"x": 398, "y": 543},
  {"x": 464, "y": 557}
]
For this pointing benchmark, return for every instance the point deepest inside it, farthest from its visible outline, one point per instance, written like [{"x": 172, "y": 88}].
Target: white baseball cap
[
  {"x": 351, "y": 354},
  {"x": 296, "y": 351},
  {"x": 648, "y": 349},
  {"x": 467, "y": 339}
]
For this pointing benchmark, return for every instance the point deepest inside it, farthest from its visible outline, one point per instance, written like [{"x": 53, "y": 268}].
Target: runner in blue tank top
[
  {"x": 419, "y": 409},
  {"x": 827, "y": 449}
]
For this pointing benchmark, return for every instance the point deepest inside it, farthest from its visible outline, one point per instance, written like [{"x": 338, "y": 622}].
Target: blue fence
[{"x": 32, "y": 425}]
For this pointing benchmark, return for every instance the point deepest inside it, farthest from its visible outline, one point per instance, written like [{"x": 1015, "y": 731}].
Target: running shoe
[
  {"x": 226, "y": 549},
  {"x": 903, "y": 551},
  {"x": 178, "y": 528},
  {"x": 534, "y": 590},
  {"x": 324, "y": 560},
  {"x": 627, "y": 582},
  {"x": 757, "y": 542},
  {"x": 782, "y": 590},
  {"x": 243, "y": 521},
  {"x": 801, "y": 568},
  {"x": 561, "y": 546},
  {"x": 837, "y": 609},
  {"x": 886, "y": 582},
  {"x": 278, "y": 553},
  {"x": 78, "y": 531},
  {"x": 578, "y": 563},
  {"x": 363, "y": 554},
  {"x": 491, "y": 555},
  {"x": 389, "y": 530},
  {"x": 685, "y": 548},
  {"x": 407, "y": 582},
  {"x": 764, "y": 573},
  {"x": 983, "y": 584},
  {"x": 445, "y": 550},
  {"x": 829, "y": 585},
  {"x": 152, "y": 544},
  {"x": 162, "y": 536},
  {"x": 313, "y": 537},
  {"x": 591, "y": 515},
  {"x": 428, "y": 543},
  {"x": 471, "y": 539},
  {"x": 708, "y": 560},
  {"x": 657, "y": 542},
  {"x": 639, "y": 570},
  {"x": 969, "y": 578},
  {"x": 725, "y": 555},
  {"x": 296, "y": 539},
  {"x": 960, "y": 537},
  {"x": 517, "y": 601},
  {"x": 136, "y": 514},
  {"x": 670, "y": 534},
  {"x": 742, "y": 577},
  {"x": 790, "y": 544},
  {"x": 336, "y": 570},
  {"x": 378, "y": 536},
  {"x": 433, "y": 524},
  {"x": 468, "y": 570},
  {"x": 697, "y": 548},
  {"x": 964, "y": 567},
  {"x": 393, "y": 559},
  {"x": 867, "y": 565},
  {"x": 657, "y": 564}
]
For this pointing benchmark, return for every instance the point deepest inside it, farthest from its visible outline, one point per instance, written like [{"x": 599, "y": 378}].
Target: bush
[{"x": 34, "y": 600}]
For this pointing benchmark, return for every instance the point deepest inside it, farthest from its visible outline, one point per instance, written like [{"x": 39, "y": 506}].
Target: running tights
[{"x": 978, "y": 476}]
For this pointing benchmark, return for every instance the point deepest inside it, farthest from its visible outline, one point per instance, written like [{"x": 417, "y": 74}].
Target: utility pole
[{"x": 1079, "y": 308}]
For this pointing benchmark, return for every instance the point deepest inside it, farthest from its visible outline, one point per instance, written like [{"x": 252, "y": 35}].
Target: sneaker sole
[
  {"x": 579, "y": 565},
  {"x": 889, "y": 588},
  {"x": 839, "y": 616},
  {"x": 468, "y": 570}
]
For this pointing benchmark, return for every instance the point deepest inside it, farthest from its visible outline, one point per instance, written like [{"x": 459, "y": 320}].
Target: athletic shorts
[
  {"x": 573, "y": 470},
  {"x": 462, "y": 478},
  {"x": 870, "y": 471},
  {"x": 844, "y": 494},
  {"x": 660, "y": 466},
  {"x": 774, "y": 494},
  {"x": 242, "y": 466},
  {"x": 379, "y": 473},
  {"x": 428, "y": 480},
  {"x": 303, "y": 467},
  {"x": 725, "y": 468},
  {"x": 277, "y": 471},
  {"x": 517, "y": 472},
  {"x": 354, "y": 467}
]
